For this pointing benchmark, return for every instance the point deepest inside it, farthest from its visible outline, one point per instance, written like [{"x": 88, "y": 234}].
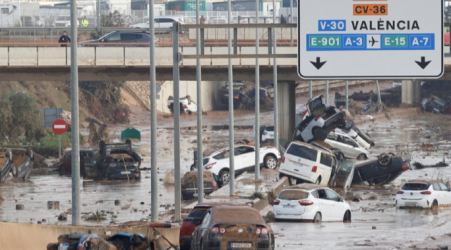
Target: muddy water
[{"x": 100, "y": 196}]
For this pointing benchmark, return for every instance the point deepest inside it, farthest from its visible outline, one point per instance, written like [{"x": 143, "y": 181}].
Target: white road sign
[{"x": 372, "y": 39}]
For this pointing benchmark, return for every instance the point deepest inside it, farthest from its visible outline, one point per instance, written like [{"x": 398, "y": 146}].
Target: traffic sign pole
[
  {"x": 59, "y": 146},
  {"x": 375, "y": 39}
]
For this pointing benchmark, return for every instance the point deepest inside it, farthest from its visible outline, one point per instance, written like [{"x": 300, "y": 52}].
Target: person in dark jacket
[
  {"x": 282, "y": 19},
  {"x": 64, "y": 39}
]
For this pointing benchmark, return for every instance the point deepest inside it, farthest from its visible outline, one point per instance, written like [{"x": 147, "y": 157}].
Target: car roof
[
  {"x": 311, "y": 146},
  {"x": 304, "y": 186},
  {"x": 128, "y": 31},
  {"x": 236, "y": 212},
  {"x": 424, "y": 181},
  {"x": 214, "y": 204}
]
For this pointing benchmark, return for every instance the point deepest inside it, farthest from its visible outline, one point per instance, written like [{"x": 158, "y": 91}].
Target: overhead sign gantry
[{"x": 373, "y": 39}]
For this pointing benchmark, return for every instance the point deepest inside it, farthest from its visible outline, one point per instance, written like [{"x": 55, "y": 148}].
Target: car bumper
[
  {"x": 185, "y": 243},
  {"x": 124, "y": 176},
  {"x": 423, "y": 203},
  {"x": 307, "y": 215},
  {"x": 216, "y": 245},
  {"x": 297, "y": 175}
]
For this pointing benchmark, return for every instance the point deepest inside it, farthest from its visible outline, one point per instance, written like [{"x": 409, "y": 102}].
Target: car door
[
  {"x": 336, "y": 205},
  {"x": 112, "y": 40},
  {"x": 324, "y": 169},
  {"x": 247, "y": 156},
  {"x": 353, "y": 147},
  {"x": 438, "y": 193},
  {"x": 202, "y": 231},
  {"x": 299, "y": 160},
  {"x": 66, "y": 161},
  {"x": 446, "y": 194},
  {"x": 325, "y": 204}
]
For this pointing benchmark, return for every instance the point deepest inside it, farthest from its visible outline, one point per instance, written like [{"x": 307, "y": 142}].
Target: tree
[
  {"x": 112, "y": 19},
  {"x": 20, "y": 117}
]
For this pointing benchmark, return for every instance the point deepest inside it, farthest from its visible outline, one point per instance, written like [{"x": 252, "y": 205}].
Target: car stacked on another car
[
  {"x": 218, "y": 162},
  {"x": 347, "y": 145},
  {"x": 310, "y": 202},
  {"x": 423, "y": 194},
  {"x": 232, "y": 227},
  {"x": 318, "y": 121}
]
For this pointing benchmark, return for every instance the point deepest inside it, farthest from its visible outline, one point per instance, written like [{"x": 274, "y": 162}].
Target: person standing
[
  {"x": 289, "y": 19},
  {"x": 64, "y": 39},
  {"x": 282, "y": 19},
  {"x": 85, "y": 22},
  {"x": 203, "y": 20}
]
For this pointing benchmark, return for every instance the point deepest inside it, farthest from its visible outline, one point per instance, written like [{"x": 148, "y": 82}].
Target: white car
[
  {"x": 318, "y": 121},
  {"x": 349, "y": 147},
  {"x": 423, "y": 193},
  {"x": 354, "y": 135},
  {"x": 160, "y": 23},
  {"x": 306, "y": 162},
  {"x": 186, "y": 105},
  {"x": 63, "y": 21},
  {"x": 218, "y": 162},
  {"x": 308, "y": 202},
  {"x": 140, "y": 25},
  {"x": 268, "y": 133}
]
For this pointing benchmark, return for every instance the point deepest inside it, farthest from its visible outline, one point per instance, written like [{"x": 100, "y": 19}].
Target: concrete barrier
[
  {"x": 85, "y": 56},
  {"x": 223, "y": 51},
  {"x": 4, "y": 57},
  {"x": 23, "y": 56},
  {"x": 20, "y": 236},
  {"x": 137, "y": 56},
  {"x": 52, "y": 56},
  {"x": 163, "y": 55},
  {"x": 251, "y": 61},
  {"x": 192, "y": 51},
  {"x": 110, "y": 55}
]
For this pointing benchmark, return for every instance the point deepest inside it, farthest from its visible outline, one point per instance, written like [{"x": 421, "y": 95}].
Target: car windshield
[
  {"x": 197, "y": 213},
  {"x": 439, "y": 102},
  {"x": 293, "y": 195},
  {"x": 303, "y": 152},
  {"x": 415, "y": 186},
  {"x": 103, "y": 37},
  {"x": 347, "y": 166}
]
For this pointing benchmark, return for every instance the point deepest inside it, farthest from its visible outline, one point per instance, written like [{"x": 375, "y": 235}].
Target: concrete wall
[
  {"x": 287, "y": 109},
  {"x": 244, "y": 33},
  {"x": 210, "y": 91}
]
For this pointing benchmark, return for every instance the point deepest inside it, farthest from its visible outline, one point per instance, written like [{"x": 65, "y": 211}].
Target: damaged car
[
  {"x": 218, "y": 162},
  {"x": 349, "y": 147},
  {"x": 22, "y": 163},
  {"x": 116, "y": 161},
  {"x": 238, "y": 91},
  {"x": 187, "y": 106},
  {"x": 423, "y": 194},
  {"x": 433, "y": 104},
  {"x": 318, "y": 121},
  {"x": 189, "y": 184},
  {"x": 383, "y": 170},
  {"x": 87, "y": 157},
  {"x": 233, "y": 227},
  {"x": 312, "y": 203},
  {"x": 6, "y": 159}
]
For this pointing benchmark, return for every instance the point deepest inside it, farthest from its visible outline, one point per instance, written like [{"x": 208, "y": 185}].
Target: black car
[
  {"x": 116, "y": 161},
  {"x": 120, "y": 39},
  {"x": 381, "y": 171},
  {"x": 232, "y": 227},
  {"x": 433, "y": 104},
  {"x": 223, "y": 96},
  {"x": 264, "y": 94}
]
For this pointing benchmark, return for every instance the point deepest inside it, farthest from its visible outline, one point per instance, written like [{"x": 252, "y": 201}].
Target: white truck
[
  {"x": 187, "y": 106},
  {"x": 10, "y": 14}
]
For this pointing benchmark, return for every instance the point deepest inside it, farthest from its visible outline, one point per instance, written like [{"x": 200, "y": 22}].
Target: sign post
[
  {"x": 371, "y": 39},
  {"x": 59, "y": 127}
]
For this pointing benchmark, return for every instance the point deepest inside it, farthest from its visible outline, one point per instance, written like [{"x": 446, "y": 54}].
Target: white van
[{"x": 305, "y": 162}]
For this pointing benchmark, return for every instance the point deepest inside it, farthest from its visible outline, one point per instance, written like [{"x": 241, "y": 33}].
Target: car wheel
[
  {"x": 362, "y": 157},
  {"x": 318, "y": 181},
  {"x": 319, "y": 133},
  {"x": 190, "y": 113},
  {"x": 434, "y": 204},
  {"x": 347, "y": 216},
  {"x": 270, "y": 162},
  {"x": 224, "y": 175},
  {"x": 192, "y": 167},
  {"x": 384, "y": 159},
  {"x": 391, "y": 154},
  {"x": 341, "y": 124},
  {"x": 317, "y": 218},
  {"x": 14, "y": 171}
]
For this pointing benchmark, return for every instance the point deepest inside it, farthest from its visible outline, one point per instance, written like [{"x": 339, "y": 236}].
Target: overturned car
[
  {"x": 16, "y": 163},
  {"x": 319, "y": 120}
]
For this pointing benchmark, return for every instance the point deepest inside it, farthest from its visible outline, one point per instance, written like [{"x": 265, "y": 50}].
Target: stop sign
[{"x": 59, "y": 126}]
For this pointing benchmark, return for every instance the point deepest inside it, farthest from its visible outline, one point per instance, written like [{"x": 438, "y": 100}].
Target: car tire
[
  {"x": 384, "y": 159},
  {"x": 224, "y": 176},
  {"x": 317, "y": 218},
  {"x": 362, "y": 157},
  {"x": 270, "y": 162},
  {"x": 192, "y": 167},
  {"x": 434, "y": 204},
  {"x": 319, "y": 134},
  {"x": 190, "y": 113},
  {"x": 14, "y": 170},
  {"x": 347, "y": 216},
  {"x": 349, "y": 124}
]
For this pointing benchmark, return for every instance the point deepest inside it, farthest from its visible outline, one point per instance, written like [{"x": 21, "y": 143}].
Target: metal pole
[
  {"x": 98, "y": 13},
  {"x": 291, "y": 21},
  {"x": 75, "y": 152},
  {"x": 346, "y": 95},
  {"x": 309, "y": 90},
  {"x": 257, "y": 99},
  {"x": 59, "y": 146},
  {"x": 379, "y": 100},
  {"x": 275, "y": 98},
  {"x": 153, "y": 121},
  {"x": 231, "y": 122},
  {"x": 176, "y": 105},
  {"x": 200, "y": 155},
  {"x": 327, "y": 93}
]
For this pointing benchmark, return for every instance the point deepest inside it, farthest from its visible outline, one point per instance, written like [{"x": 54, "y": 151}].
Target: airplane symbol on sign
[{"x": 372, "y": 41}]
